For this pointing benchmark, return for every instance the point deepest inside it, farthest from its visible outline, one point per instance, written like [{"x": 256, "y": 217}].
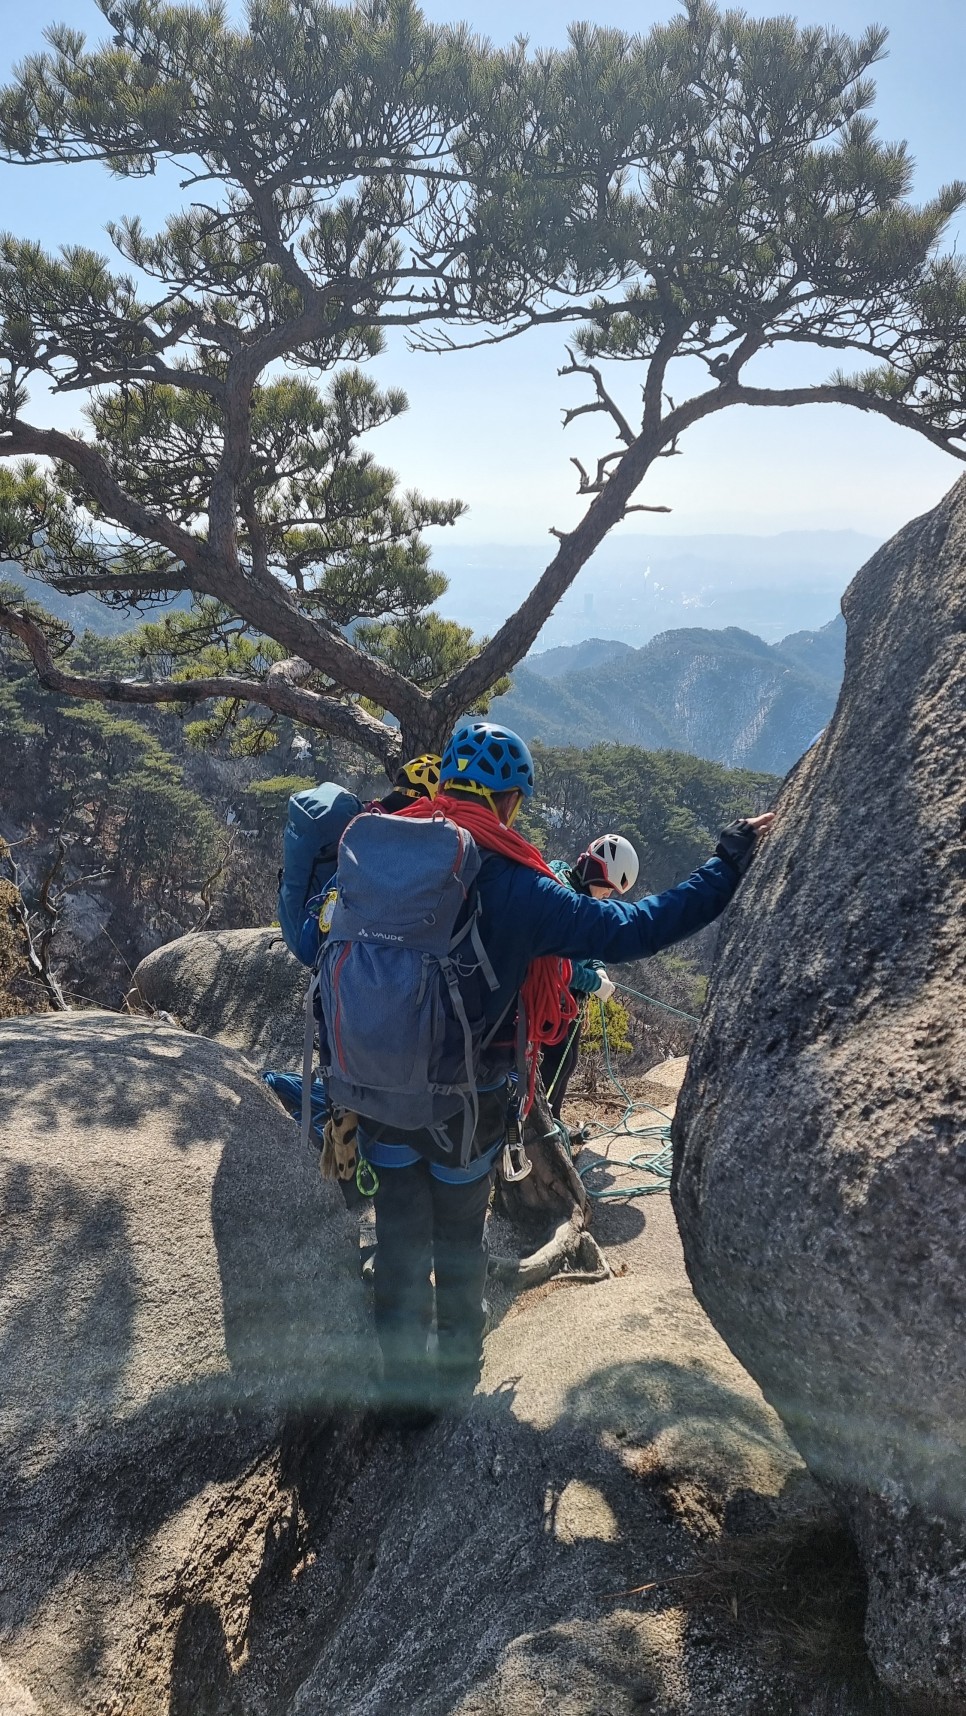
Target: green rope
[
  {"x": 567, "y": 1046},
  {"x": 657, "y": 1163},
  {"x": 653, "y": 1002}
]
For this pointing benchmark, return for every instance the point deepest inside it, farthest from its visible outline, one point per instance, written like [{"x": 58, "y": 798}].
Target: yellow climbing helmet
[{"x": 420, "y": 777}]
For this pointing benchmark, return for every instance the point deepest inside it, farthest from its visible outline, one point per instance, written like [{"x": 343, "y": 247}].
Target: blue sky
[{"x": 486, "y": 425}]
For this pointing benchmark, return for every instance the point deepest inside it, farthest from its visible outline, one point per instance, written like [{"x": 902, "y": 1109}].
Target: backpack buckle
[{"x": 515, "y": 1163}]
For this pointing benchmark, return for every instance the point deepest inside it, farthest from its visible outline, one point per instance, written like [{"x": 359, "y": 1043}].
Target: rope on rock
[{"x": 655, "y": 1163}]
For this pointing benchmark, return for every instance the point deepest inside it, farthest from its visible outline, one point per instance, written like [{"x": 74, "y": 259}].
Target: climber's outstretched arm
[{"x": 580, "y": 927}]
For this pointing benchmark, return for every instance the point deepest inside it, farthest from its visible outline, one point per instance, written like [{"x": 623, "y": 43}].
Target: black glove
[{"x": 736, "y": 845}]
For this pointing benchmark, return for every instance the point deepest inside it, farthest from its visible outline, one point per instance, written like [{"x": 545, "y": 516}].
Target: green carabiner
[{"x": 367, "y": 1180}]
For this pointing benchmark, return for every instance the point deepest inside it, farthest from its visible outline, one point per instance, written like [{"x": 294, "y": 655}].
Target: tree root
[
  {"x": 553, "y": 1189},
  {"x": 569, "y": 1244}
]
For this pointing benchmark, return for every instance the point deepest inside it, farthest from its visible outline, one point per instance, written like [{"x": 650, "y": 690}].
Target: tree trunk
[
  {"x": 553, "y": 1190},
  {"x": 428, "y": 733},
  {"x": 552, "y": 1206}
]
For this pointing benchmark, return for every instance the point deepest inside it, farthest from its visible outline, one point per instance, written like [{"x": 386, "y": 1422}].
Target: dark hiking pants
[{"x": 423, "y": 1224}]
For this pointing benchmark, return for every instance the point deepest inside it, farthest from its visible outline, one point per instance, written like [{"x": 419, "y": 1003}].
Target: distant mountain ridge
[
  {"x": 724, "y": 695},
  {"x": 639, "y": 585},
  {"x": 575, "y": 658},
  {"x": 87, "y": 613}
]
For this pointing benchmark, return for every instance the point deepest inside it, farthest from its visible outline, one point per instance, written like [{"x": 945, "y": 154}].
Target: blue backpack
[
  {"x": 402, "y": 976},
  {"x": 317, "y": 819}
]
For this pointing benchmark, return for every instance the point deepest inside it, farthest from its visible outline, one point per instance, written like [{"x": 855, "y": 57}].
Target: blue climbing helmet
[{"x": 487, "y": 759}]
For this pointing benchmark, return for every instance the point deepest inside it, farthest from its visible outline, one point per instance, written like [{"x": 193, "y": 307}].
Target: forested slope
[
  {"x": 725, "y": 695},
  {"x": 124, "y": 834}
]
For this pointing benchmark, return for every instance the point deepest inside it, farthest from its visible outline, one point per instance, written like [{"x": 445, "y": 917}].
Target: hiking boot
[{"x": 456, "y": 1384}]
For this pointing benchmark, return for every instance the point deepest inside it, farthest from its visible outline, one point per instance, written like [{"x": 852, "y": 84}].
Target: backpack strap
[
  {"x": 471, "y": 1103},
  {"x": 490, "y": 976},
  {"x": 472, "y": 1110}
]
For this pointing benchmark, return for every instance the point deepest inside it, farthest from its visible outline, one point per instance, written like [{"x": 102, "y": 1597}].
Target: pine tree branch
[
  {"x": 263, "y": 602},
  {"x": 603, "y": 401},
  {"x": 138, "y": 586},
  {"x": 153, "y": 370},
  {"x": 732, "y": 392},
  {"x": 276, "y": 692},
  {"x": 20, "y": 437},
  {"x": 841, "y": 394},
  {"x": 518, "y": 633}
]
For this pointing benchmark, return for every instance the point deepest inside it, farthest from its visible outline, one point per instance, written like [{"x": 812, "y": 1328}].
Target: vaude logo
[{"x": 378, "y": 935}]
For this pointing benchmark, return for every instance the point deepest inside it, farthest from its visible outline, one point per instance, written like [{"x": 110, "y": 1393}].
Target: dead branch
[
  {"x": 600, "y": 481},
  {"x": 344, "y": 720},
  {"x": 603, "y": 401},
  {"x": 38, "y": 948},
  {"x": 207, "y": 887}
]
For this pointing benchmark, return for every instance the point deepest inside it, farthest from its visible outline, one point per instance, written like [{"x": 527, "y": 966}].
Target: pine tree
[{"x": 693, "y": 199}]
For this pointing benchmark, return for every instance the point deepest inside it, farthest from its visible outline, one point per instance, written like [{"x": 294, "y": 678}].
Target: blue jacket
[
  {"x": 525, "y": 914},
  {"x": 585, "y": 977}
]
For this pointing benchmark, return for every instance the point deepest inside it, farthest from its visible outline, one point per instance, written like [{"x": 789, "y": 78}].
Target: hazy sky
[{"x": 486, "y": 425}]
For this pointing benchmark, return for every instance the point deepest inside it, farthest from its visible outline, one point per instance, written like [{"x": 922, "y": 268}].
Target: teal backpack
[{"x": 317, "y": 820}]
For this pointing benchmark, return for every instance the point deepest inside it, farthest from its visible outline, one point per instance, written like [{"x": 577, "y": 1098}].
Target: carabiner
[
  {"x": 515, "y": 1163},
  {"x": 367, "y": 1180}
]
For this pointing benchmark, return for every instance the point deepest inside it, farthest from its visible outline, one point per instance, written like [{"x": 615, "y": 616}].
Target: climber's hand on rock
[{"x": 737, "y": 842}]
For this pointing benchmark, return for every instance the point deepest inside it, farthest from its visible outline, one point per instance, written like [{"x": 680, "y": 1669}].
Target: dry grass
[{"x": 799, "y": 1591}]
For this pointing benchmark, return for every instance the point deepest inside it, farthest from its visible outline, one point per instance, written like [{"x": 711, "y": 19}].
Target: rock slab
[
  {"x": 501, "y": 1557},
  {"x": 241, "y": 987},
  {"x": 180, "y": 1317},
  {"x": 820, "y": 1140}
]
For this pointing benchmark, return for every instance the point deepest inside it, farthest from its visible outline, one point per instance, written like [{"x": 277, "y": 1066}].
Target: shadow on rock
[
  {"x": 184, "y": 1343},
  {"x": 819, "y": 1174}
]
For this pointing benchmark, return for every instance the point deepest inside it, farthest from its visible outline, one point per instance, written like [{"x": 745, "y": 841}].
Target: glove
[
  {"x": 605, "y": 988},
  {"x": 339, "y": 1145},
  {"x": 736, "y": 845}
]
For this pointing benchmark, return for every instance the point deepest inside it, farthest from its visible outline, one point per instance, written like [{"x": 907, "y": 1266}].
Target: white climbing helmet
[{"x": 610, "y": 861}]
